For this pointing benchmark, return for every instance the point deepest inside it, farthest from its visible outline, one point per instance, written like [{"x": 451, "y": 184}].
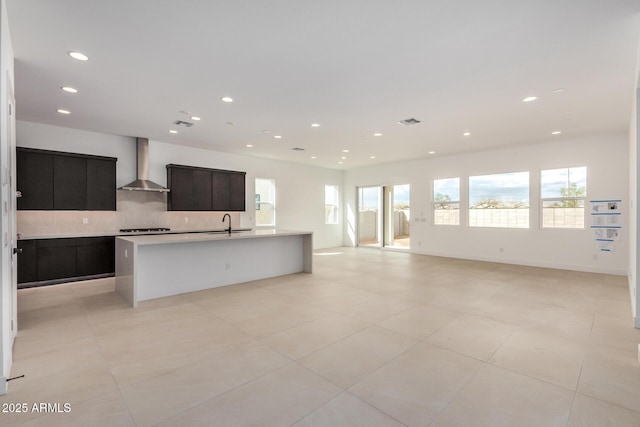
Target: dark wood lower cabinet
[
  {"x": 47, "y": 261},
  {"x": 95, "y": 255},
  {"x": 27, "y": 261},
  {"x": 56, "y": 259}
]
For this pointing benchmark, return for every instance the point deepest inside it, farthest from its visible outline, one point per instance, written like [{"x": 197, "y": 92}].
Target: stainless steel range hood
[{"x": 143, "y": 183}]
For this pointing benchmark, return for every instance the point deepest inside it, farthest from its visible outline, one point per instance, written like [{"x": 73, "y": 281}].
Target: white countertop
[
  {"x": 157, "y": 239},
  {"x": 116, "y": 234}
]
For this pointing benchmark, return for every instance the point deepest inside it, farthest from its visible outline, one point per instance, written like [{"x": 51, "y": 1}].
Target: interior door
[{"x": 11, "y": 209}]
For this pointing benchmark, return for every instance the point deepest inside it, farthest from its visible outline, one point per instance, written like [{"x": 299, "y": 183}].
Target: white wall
[
  {"x": 299, "y": 189},
  {"x": 604, "y": 156},
  {"x": 7, "y": 223}
]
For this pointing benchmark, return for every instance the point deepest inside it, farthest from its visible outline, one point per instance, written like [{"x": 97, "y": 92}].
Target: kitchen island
[{"x": 156, "y": 266}]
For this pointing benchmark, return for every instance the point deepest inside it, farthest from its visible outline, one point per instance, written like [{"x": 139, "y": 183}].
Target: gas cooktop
[{"x": 143, "y": 230}]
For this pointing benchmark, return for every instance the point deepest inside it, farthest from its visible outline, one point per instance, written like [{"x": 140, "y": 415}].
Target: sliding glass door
[
  {"x": 384, "y": 216},
  {"x": 370, "y": 216}
]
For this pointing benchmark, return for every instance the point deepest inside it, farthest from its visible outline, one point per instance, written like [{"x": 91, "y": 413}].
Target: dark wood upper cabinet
[
  {"x": 203, "y": 189},
  {"x": 35, "y": 180},
  {"x": 237, "y": 189},
  {"x": 101, "y": 185},
  {"x": 201, "y": 194},
  {"x": 51, "y": 180},
  {"x": 220, "y": 192},
  {"x": 69, "y": 183}
]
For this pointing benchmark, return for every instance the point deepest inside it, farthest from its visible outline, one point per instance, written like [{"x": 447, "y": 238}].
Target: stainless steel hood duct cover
[{"x": 143, "y": 183}]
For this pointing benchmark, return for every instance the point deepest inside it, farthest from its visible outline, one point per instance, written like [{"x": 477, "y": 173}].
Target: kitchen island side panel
[
  {"x": 125, "y": 271},
  {"x": 175, "y": 268}
]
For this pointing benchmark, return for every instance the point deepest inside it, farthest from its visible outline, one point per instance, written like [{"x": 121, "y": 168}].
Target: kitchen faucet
[{"x": 223, "y": 219}]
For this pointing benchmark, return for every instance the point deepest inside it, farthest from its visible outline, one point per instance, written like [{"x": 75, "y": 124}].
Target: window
[
  {"x": 563, "y": 192},
  {"x": 446, "y": 201},
  {"x": 330, "y": 204},
  {"x": 500, "y": 200},
  {"x": 265, "y": 202}
]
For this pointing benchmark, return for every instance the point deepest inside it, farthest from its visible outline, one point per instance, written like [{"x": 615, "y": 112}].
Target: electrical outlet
[
  {"x": 501, "y": 250},
  {"x": 186, "y": 219},
  {"x": 227, "y": 266},
  {"x": 85, "y": 221}
]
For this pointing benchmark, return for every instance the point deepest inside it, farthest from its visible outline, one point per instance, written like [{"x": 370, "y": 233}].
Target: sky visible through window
[
  {"x": 447, "y": 187},
  {"x": 504, "y": 187},
  {"x": 553, "y": 180},
  {"x": 369, "y": 196}
]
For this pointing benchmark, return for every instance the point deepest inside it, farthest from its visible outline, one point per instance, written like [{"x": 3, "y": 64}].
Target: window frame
[
  {"x": 272, "y": 202},
  {"x": 498, "y": 200},
  {"x": 564, "y": 199},
  {"x": 434, "y": 203},
  {"x": 336, "y": 206}
]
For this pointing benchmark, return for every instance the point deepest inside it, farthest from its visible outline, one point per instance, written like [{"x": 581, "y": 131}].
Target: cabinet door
[
  {"x": 237, "y": 192},
  {"x": 69, "y": 183},
  {"x": 95, "y": 255},
  {"x": 201, "y": 191},
  {"x": 101, "y": 185},
  {"x": 56, "y": 259},
  {"x": 35, "y": 180},
  {"x": 180, "y": 182},
  {"x": 27, "y": 261},
  {"x": 220, "y": 191}
]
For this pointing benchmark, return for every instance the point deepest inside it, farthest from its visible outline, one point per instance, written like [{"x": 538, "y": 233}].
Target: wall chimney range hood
[{"x": 143, "y": 183}]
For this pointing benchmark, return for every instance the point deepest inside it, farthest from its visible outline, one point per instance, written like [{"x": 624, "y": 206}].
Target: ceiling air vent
[
  {"x": 183, "y": 123},
  {"x": 297, "y": 149},
  {"x": 409, "y": 122}
]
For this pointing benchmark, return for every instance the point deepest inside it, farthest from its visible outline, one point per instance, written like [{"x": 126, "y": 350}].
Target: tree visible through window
[
  {"x": 446, "y": 201},
  {"x": 563, "y": 193}
]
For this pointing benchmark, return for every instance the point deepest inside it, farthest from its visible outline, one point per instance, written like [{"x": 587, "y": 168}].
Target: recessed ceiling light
[
  {"x": 226, "y": 99},
  {"x": 372, "y": 157},
  {"x": 343, "y": 158},
  {"x": 345, "y": 151},
  {"x": 377, "y": 134},
  {"x": 196, "y": 118},
  {"x": 467, "y": 134},
  {"x": 340, "y": 163},
  {"x": 266, "y": 131},
  {"x": 69, "y": 89},
  {"x": 560, "y": 89},
  {"x": 61, "y": 111},
  {"x": 249, "y": 146},
  {"x": 530, "y": 98},
  {"x": 432, "y": 152},
  {"x": 79, "y": 56},
  {"x": 315, "y": 125},
  {"x": 173, "y": 131},
  {"x": 556, "y": 132},
  {"x": 313, "y": 157},
  {"x": 277, "y": 136}
]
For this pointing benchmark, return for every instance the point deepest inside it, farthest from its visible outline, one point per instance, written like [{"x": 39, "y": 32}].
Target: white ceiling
[{"x": 355, "y": 67}]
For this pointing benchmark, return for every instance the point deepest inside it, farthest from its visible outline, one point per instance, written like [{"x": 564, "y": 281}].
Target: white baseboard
[{"x": 582, "y": 268}]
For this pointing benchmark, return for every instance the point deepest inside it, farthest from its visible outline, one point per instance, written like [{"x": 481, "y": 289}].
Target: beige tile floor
[{"x": 371, "y": 338}]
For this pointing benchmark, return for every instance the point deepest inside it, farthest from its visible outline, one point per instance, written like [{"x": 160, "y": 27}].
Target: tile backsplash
[{"x": 135, "y": 209}]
